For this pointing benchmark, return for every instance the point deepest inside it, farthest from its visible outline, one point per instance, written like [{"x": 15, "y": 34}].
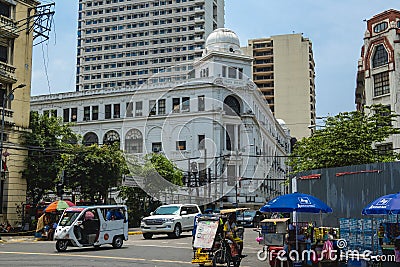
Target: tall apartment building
[
  {"x": 378, "y": 77},
  {"x": 125, "y": 43},
  {"x": 283, "y": 69},
  {"x": 15, "y": 80}
]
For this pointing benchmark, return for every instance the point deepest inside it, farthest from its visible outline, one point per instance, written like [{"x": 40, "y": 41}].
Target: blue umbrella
[
  {"x": 296, "y": 202},
  {"x": 389, "y": 204}
]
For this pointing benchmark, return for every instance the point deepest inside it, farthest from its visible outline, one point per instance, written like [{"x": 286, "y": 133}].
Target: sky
[{"x": 335, "y": 28}]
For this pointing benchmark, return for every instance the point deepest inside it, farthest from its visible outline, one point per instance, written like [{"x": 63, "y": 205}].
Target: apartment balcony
[
  {"x": 199, "y": 10},
  {"x": 199, "y": 20},
  {"x": 264, "y": 80},
  {"x": 7, "y": 73},
  {"x": 262, "y": 72},
  {"x": 264, "y": 56},
  {"x": 263, "y": 64},
  {"x": 199, "y": 1},
  {"x": 198, "y": 40},
  {"x": 198, "y": 30},
  {"x": 8, "y": 27},
  {"x": 8, "y": 116},
  {"x": 263, "y": 48}
]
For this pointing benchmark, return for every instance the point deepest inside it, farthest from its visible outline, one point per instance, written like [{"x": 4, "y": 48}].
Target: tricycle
[
  {"x": 92, "y": 226},
  {"x": 213, "y": 244}
]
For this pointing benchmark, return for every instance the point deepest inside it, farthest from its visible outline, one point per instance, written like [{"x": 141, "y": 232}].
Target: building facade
[
  {"x": 283, "y": 69},
  {"x": 215, "y": 125},
  {"x": 378, "y": 76},
  {"x": 123, "y": 43},
  {"x": 15, "y": 78}
]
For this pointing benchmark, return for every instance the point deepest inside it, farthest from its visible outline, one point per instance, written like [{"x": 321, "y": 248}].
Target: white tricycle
[{"x": 92, "y": 226}]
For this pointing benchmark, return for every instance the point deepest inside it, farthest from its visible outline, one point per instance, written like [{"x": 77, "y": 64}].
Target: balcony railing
[
  {"x": 7, "y": 72},
  {"x": 8, "y": 116},
  {"x": 8, "y": 27}
]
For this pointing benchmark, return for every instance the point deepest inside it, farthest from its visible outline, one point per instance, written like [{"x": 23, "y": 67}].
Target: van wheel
[
  {"x": 147, "y": 235},
  {"x": 61, "y": 245},
  {"x": 177, "y": 231},
  {"x": 117, "y": 242}
]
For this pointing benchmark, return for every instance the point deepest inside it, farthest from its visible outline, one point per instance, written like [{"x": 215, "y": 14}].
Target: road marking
[
  {"x": 96, "y": 257},
  {"x": 159, "y": 246},
  {"x": 92, "y": 256}
]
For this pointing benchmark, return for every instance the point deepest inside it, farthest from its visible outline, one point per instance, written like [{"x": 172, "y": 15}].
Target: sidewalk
[
  {"x": 134, "y": 231},
  {"x": 17, "y": 239}
]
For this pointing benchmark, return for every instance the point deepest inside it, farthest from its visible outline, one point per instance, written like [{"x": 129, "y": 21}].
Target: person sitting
[
  {"x": 9, "y": 228},
  {"x": 114, "y": 214},
  {"x": 230, "y": 229}
]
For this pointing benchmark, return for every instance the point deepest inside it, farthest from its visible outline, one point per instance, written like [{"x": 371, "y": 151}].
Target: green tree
[
  {"x": 94, "y": 170},
  {"x": 346, "y": 139},
  {"x": 48, "y": 138},
  {"x": 139, "y": 203},
  {"x": 159, "y": 176}
]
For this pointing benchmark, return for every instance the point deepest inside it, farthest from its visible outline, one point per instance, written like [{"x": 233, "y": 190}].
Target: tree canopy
[
  {"x": 159, "y": 175},
  {"x": 48, "y": 138},
  {"x": 94, "y": 169},
  {"x": 349, "y": 138},
  {"x": 53, "y": 147}
]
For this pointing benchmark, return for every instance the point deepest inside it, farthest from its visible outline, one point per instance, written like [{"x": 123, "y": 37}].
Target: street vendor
[{"x": 230, "y": 228}]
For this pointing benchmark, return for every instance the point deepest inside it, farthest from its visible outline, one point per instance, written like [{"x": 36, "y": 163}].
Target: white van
[{"x": 92, "y": 226}]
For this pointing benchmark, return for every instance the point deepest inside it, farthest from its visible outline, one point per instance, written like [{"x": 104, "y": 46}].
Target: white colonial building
[{"x": 215, "y": 125}]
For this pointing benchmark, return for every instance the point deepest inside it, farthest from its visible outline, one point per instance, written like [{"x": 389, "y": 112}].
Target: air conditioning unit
[{"x": 156, "y": 149}]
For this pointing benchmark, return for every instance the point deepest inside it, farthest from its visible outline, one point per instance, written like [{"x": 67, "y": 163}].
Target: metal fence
[{"x": 347, "y": 190}]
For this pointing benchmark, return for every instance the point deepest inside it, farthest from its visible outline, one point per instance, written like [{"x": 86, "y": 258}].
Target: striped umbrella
[{"x": 58, "y": 205}]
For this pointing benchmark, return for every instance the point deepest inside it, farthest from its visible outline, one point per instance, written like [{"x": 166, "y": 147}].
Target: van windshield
[
  {"x": 68, "y": 218},
  {"x": 169, "y": 210}
]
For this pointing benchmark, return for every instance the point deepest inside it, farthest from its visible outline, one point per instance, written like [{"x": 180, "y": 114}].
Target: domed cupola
[{"x": 223, "y": 40}]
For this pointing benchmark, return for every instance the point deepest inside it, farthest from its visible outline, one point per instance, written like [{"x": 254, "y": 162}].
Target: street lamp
[{"x": 10, "y": 97}]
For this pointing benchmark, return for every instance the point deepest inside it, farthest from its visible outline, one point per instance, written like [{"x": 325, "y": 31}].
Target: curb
[{"x": 135, "y": 233}]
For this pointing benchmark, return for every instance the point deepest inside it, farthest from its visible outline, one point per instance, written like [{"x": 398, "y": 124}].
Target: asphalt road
[{"x": 159, "y": 251}]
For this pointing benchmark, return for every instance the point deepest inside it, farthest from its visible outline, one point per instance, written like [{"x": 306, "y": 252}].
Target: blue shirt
[{"x": 114, "y": 214}]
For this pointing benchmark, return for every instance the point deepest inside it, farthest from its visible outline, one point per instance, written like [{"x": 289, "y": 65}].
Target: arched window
[
  {"x": 111, "y": 137},
  {"x": 90, "y": 139},
  {"x": 232, "y": 106},
  {"x": 134, "y": 141},
  {"x": 380, "y": 27},
  {"x": 380, "y": 56}
]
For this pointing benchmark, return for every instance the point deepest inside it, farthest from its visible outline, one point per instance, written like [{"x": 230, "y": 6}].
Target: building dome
[{"x": 223, "y": 40}]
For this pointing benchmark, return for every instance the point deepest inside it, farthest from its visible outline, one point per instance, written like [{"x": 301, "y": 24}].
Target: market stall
[
  {"x": 387, "y": 229},
  {"x": 300, "y": 234}
]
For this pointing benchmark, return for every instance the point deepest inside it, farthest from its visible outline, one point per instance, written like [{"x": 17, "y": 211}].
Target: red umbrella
[{"x": 58, "y": 205}]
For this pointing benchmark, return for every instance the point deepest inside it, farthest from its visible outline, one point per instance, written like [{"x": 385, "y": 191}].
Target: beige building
[
  {"x": 283, "y": 69},
  {"x": 378, "y": 77},
  {"x": 15, "y": 78}
]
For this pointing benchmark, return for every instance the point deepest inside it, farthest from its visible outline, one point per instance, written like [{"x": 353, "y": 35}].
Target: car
[
  {"x": 246, "y": 218},
  {"x": 170, "y": 219}
]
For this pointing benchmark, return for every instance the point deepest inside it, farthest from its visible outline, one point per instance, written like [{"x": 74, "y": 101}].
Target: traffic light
[{"x": 60, "y": 189}]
